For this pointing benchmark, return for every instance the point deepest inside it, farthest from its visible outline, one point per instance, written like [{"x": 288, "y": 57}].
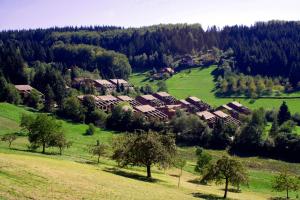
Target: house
[
  {"x": 25, "y": 90},
  {"x": 121, "y": 83},
  {"x": 104, "y": 86},
  {"x": 168, "y": 70},
  {"x": 226, "y": 109},
  {"x": 170, "y": 110},
  {"x": 81, "y": 81},
  {"x": 130, "y": 100},
  {"x": 239, "y": 108},
  {"x": 151, "y": 112},
  {"x": 207, "y": 116},
  {"x": 150, "y": 100},
  {"x": 202, "y": 106},
  {"x": 226, "y": 118},
  {"x": 166, "y": 98},
  {"x": 106, "y": 102}
]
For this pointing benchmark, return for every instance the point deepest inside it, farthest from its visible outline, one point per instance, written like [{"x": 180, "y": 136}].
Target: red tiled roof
[
  {"x": 145, "y": 108},
  {"x": 207, "y": 115},
  {"x": 221, "y": 114}
]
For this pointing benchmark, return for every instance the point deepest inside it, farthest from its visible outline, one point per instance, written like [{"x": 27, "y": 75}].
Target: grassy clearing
[
  {"x": 199, "y": 82},
  {"x": 74, "y": 175}
]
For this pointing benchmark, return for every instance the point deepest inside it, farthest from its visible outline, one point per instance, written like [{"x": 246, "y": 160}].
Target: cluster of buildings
[
  {"x": 162, "y": 106},
  {"x": 102, "y": 85},
  {"x": 158, "y": 106}
]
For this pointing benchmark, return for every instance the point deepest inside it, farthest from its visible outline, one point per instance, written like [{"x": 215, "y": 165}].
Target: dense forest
[{"x": 267, "y": 49}]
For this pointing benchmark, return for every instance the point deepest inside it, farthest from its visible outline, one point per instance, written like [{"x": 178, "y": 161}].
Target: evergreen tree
[{"x": 283, "y": 114}]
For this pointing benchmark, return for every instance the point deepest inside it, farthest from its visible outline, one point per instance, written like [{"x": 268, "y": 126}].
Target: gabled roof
[
  {"x": 207, "y": 115},
  {"x": 227, "y": 107},
  {"x": 145, "y": 108}
]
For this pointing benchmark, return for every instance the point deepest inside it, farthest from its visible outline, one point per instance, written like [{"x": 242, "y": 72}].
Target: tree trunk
[
  {"x": 148, "y": 171},
  {"x": 44, "y": 147},
  {"x": 179, "y": 177},
  {"x": 98, "y": 159},
  {"x": 287, "y": 193},
  {"x": 226, "y": 188}
]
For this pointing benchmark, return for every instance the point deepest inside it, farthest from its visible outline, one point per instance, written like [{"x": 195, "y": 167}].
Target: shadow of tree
[
  {"x": 207, "y": 196},
  {"x": 131, "y": 175}
]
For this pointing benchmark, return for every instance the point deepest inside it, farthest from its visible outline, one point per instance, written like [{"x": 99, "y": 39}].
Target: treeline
[{"x": 268, "y": 49}]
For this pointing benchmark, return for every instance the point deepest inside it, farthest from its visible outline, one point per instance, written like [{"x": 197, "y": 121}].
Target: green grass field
[
  {"x": 74, "y": 175},
  {"x": 200, "y": 83}
]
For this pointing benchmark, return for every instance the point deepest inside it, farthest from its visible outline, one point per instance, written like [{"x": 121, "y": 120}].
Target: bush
[{"x": 91, "y": 130}]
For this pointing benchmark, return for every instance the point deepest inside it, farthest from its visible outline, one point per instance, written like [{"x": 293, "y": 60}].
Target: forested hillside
[{"x": 270, "y": 49}]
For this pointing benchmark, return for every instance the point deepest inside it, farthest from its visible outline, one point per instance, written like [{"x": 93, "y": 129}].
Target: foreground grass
[
  {"x": 74, "y": 175},
  {"x": 199, "y": 82}
]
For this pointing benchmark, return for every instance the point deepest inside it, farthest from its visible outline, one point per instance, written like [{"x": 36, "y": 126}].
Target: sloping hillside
[{"x": 199, "y": 82}]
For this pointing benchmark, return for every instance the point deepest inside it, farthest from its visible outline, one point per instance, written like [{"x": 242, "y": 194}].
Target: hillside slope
[{"x": 199, "y": 82}]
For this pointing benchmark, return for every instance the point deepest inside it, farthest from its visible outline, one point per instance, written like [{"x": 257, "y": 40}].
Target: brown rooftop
[
  {"x": 125, "y": 98},
  {"x": 24, "y": 87},
  {"x": 145, "y": 108},
  {"x": 120, "y": 81},
  {"x": 103, "y": 82},
  {"x": 221, "y": 114},
  {"x": 148, "y": 97},
  {"x": 163, "y": 94},
  {"x": 207, "y": 115},
  {"x": 106, "y": 98}
]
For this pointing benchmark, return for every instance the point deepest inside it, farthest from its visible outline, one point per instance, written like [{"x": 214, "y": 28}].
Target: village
[{"x": 157, "y": 106}]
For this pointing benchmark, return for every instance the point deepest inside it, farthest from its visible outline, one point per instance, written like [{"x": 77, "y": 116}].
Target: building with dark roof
[
  {"x": 150, "y": 100},
  {"x": 227, "y": 118},
  {"x": 121, "y": 83},
  {"x": 207, "y": 116},
  {"x": 202, "y": 106},
  {"x": 239, "y": 108},
  {"x": 151, "y": 112},
  {"x": 128, "y": 99},
  {"x": 166, "y": 98},
  {"x": 104, "y": 86}
]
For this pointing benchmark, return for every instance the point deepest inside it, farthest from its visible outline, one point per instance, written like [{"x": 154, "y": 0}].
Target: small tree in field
[
  {"x": 180, "y": 164},
  {"x": 98, "y": 150},
  {"x": 286, "y": 182},
  {"x": 203, "y": 160},
  {"x": 145, "y": 149},
  {"x": 9, "y": 138},
  {"x": 226, "y": 170}
]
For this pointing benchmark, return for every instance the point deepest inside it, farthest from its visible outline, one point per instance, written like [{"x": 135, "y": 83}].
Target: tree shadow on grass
[
  {"x": 34, "y": 151},
  {"x": 131, "y": 175},
  {"x": 206, "y": 196}
]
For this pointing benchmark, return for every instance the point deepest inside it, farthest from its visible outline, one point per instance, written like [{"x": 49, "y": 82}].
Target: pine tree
[{"x": 284, "y": 113}]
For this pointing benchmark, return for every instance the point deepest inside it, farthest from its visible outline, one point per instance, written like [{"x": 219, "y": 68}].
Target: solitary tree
[
  {"x": 43, "y": 130},
  {"x": 98, "y": 150},
  {"x": 180, "y": 163},
  {"x": 283, "y": 114},
  {"x": 285, "y": 182},
  {"x": 9, "y": 138},
  {"x": 203, "y": 160},
  {"x": 145, "y": 149},
  {"x": 226, "y": 170},
  {"x": 60, "y": 141}
]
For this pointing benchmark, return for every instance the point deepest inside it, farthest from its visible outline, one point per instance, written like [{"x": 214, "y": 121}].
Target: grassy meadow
[
  {"x": 74, "y": 175},
  {"x": 199, "y": 82}
]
